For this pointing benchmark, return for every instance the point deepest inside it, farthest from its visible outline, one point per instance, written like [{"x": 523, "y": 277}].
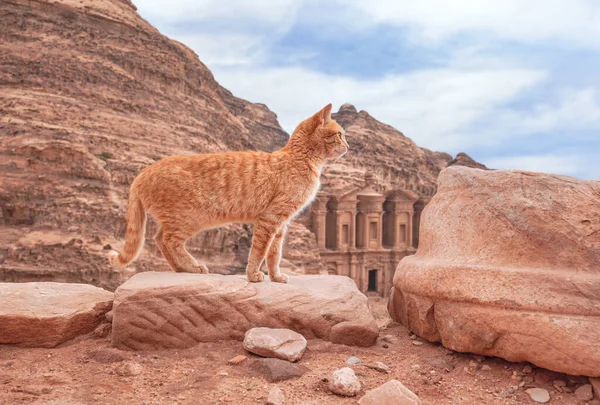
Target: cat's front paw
[
  {"x": 256, "y": 277},
  {"x": 280, "y": 278}
]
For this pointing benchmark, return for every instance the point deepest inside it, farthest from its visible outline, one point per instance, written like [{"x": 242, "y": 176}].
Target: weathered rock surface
[
  {"x": 48, "y": 314},
  {"x": 344, "y": 382},
  {"x": 391, "y": 393},
  {"x": 508, "y": 265},
  {"x": 283, "y": 344},
  {"x": 159, "y": 310}
]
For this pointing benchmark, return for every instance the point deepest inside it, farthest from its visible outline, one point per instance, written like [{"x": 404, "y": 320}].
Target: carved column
[
  {"x": 352, "y": 230},
  {"x": 409, "y": 237},
  {"x": 319, "y": 218}
]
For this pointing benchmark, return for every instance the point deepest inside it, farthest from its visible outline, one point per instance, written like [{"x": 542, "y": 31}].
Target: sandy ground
[{"x": 87, "y": 371}]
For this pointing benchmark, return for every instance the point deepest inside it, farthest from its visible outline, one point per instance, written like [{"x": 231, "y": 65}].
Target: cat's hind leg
[
  {"x": 172, "y": 246},
  {"x": 264, "y": 233},
  {"x": 274, "y": 256}
]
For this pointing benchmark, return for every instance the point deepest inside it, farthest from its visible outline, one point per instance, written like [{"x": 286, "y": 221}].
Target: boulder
[
  {"x": 508, "y": 265},
  {"x": 155, "y": 310},
  {"x": 48, "y": 314},
  {"x": 283, "y": 344},
  {"x": 391, "y": 393}
]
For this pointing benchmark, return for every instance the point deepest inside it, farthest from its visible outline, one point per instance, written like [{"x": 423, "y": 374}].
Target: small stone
[
  {"x": 584, "y": 393},
  {"x": 379, "y": 366},
  {"x": 129, "y": 369},
  {"x": 412, "y": 336},
  {"x": 353, "y": 361},
  {"x": 391, "y": 339},
  {"x": 237, "y": 359},
  {"x": 479, "y": 358},
  {"x": 276, "y": 397},
  {"x": 596, "y": 385},
  {"x": 527, "y": 369},
  {"x": 283, "y": 344},
  {"x": 391, "y": 393},
  {"x": 109, "y": 316},
  {"x": 539, "y": 395},
  {"x": 485, "y": 367},
  {"x": 275, "y": 370},
  {"x": 438, "y": 362},
  {"x": 385, "y": 346},
  {"x": 417, "y": 343},
  {"x": 415, "y": 367},
  {"x": 224, "y": 374},
  {"x": 344, "y": 382}
]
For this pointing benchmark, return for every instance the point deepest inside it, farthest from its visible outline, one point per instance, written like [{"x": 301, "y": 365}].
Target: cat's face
[
  {"x": 324, "y": 134},
  {"x": 335, "y": 140}
]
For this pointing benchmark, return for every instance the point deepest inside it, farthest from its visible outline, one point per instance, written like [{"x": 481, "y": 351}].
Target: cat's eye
[{"x": 339, "y": 134}]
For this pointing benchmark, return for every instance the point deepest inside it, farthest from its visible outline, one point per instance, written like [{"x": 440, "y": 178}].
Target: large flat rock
[
  {"x": 160, "y": 310},
  {"x": 48, "y": 314},
  {"x": 509, "y": 266}
]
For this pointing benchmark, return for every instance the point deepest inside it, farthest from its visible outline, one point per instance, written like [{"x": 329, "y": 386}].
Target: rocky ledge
[{"x": 160, "y": 310}]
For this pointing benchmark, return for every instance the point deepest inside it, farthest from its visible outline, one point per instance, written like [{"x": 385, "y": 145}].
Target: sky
[{"x": 513, "y": 83}]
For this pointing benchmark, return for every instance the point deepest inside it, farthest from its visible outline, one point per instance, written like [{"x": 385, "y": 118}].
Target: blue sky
[{"x": 515, "y": 84}]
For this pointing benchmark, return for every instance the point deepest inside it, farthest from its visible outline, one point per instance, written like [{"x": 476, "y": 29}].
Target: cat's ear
[{"x": 325, "y": 114}]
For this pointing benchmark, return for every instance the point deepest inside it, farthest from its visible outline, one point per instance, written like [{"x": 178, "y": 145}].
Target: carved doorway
[{"x": 372, "y": 280}]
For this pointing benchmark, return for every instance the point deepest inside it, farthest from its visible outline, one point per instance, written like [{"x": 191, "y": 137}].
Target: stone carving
[
  {"x": 363, "y": 232},
  {"x": 508, "y": 265}
]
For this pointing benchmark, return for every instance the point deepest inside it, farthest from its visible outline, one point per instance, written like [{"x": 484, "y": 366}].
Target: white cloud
[
  {"x": 578, "y": 110},
  {"x": 428, "y": 105},
  {"x": 575, "y": 22},
  {"x": 571, "y": 22},
  {"x": 217, "y": 50}
]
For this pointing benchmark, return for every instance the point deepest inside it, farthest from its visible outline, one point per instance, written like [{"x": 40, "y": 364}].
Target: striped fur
[{"x": 188, "y": 194}]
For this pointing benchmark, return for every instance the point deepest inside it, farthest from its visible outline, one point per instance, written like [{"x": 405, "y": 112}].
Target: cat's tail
[{"x": 134, "y": 237}]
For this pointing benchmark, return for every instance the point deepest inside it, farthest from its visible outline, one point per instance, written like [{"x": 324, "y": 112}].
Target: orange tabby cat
[{"x": 187, "y": 194}]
